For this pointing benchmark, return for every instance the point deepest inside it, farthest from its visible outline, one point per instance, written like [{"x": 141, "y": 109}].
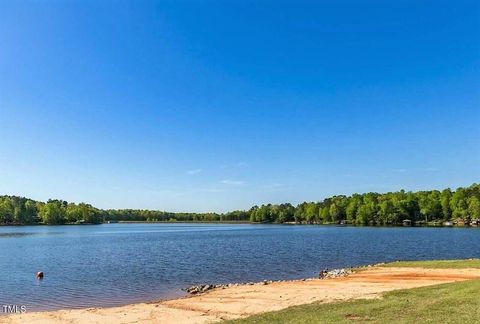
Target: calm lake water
[{"x": 116, "y": 264}]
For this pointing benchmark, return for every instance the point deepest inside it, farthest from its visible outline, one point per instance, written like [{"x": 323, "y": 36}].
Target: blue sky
[{"x": 220, "y": 105}]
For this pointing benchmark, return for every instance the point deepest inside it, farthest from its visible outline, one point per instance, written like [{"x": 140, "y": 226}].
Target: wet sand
[{"x": 245, "y": 300}]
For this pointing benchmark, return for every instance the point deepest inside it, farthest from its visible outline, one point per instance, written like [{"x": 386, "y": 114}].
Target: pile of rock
[
  {"x": 324, "y": 274},
  {"x": 335, "y": 273},
  {"x": 198, "y": 289}
]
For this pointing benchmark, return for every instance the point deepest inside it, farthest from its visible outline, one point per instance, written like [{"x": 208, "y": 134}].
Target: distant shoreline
[
  {"x": 183, "y": 222},
  {"x": 452, "y": 225},
  {"x": 287, "y": 224},
  {"x": 400, "y": 208}
]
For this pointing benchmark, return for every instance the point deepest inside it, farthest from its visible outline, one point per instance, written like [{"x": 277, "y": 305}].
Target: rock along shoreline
[{"x": 324, "y": 274}]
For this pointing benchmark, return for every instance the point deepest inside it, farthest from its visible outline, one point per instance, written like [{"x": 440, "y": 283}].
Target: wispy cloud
[
  {"x": 431, "y": 169},
  {"x": 427, "y": 169},
  {"x": 275, "y": 186},
  {"x": 240, "y": 164},
  {"x": 354, "y": 175},
  {"x": 233, "y": 182},
  {"x": 211, "y": 190},
  {"x": 194, "y": 171}
]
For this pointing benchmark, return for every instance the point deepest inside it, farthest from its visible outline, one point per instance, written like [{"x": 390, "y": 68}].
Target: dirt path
[{"x": 245, "y": 300}]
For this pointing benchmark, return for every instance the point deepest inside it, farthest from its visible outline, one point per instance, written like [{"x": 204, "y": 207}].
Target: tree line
[{"x": 391, "y": 208}]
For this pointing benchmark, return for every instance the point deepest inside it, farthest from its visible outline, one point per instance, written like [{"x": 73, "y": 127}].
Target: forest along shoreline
[
  {"x": 250, "y": 299},
  {"x": 460, "y": 207}
]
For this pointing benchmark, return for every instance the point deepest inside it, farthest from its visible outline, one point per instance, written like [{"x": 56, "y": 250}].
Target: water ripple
[{"x": 117, "y": 264}]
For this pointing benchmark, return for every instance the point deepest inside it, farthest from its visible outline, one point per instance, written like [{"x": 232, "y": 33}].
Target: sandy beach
[{"x": 245, "y": 300}]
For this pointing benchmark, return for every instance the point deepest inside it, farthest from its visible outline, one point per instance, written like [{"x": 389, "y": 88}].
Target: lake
[{"x": 117, "y": 264}]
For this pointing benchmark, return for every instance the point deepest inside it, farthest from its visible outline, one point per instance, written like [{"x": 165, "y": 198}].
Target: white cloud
[
  {"x": 240, "y": 164},
  {"x": 194, "y": 171},
  {"x": 233, "y": 182}
]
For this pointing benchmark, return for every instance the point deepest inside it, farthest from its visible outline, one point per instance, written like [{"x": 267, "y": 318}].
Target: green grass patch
[
  {"x": 438, "y": 264},
  {"x": 446, "y": 303}
]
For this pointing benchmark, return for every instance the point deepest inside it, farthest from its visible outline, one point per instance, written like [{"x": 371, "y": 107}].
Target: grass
[
  {"x": 446, "y": 303},
  {"x": 437, "y": 264},
  {"x": 457, "y": 302}
]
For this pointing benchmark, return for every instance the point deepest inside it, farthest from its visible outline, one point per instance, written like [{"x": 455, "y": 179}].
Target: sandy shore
[{"x": 246, "y": 300}]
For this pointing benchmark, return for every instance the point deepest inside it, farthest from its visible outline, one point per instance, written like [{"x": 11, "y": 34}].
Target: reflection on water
[
  {"x": 20, "y": 234},
  {"x": 15, "y": 234},
  {"x": 115, "y": 264}
]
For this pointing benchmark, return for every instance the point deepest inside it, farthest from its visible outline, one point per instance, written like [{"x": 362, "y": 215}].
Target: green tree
[
  {"x": 335, "y": 212},
  {"x": 311, "y": 212},
  {"x": 445, "y": 198},
  {"x": 474, "y": 207},
  {"x": 459, "y": 205},
  {"x": 386, "y": 212},
  {"x": 364, "y": 214},
  {"x": 53, "y": 213},
  {"x": 88, "y": 214},
  {"x": 253, "y": 214},
  {"x": 325, "y": 214},
  {"x": 30, "y": 212},
  {"x": 299, "y": 214},
  {"x": 286, "y": 213},
  {"x": 6, "y": 210},
  {"x": 352, "y": 208},
  {"x": 430, "y": 205},
  {"x": 73, "y": 213}
]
